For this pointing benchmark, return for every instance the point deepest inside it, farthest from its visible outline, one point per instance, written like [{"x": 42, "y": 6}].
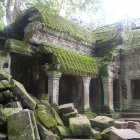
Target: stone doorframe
[
  {"x": 130, "y": 76},
  {"x": 53, "y": 88}
]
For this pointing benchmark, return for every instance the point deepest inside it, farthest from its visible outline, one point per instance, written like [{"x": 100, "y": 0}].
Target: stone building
[
  {"x": 51, "y": 55},
  {"x": 96, "y": 70}
]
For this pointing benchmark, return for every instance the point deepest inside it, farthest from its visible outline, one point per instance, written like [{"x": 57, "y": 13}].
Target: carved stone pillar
[
  {"x": 108, "y": 92},
  {"x": 53, "y": 86},
  {"x": 86, "y": 83}
]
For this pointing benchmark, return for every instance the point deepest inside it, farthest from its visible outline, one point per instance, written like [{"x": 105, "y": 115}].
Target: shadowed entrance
[{"x": 71, "y": 90}]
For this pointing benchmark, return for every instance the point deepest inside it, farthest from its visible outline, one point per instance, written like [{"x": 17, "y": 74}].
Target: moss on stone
[
  {"x": 55, "y": 22},
  {"x": 17, "y": 46},
  {"x": 70, "y": 61},
  {"x": 45, "y": 117},
  {"x": 4, "y": 84},
  {"x": 13, "y": 132},
  {"x": 107, "y": 33}
]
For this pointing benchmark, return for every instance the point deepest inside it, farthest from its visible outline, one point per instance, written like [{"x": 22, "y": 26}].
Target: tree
[{"x": 70, "y": 9}]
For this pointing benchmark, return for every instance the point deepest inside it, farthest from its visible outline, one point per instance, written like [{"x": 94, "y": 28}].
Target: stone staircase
[
  {"x": 135, "y": 107},
  {"x": 134, "y": 112}
]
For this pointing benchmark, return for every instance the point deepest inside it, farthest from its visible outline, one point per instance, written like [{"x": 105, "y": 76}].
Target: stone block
[
  {"x": 6, "y": 97},
  {"x": 106, "y": 133},
  {"x": 102, "y": 122},
  {"x": 4, "y": 75},
  {"x": 14, "y": 105},
  {"x": 80, "y": 126},
  {"x": 45, "y": 117},
  {"x": 21, "y": 126},
  {"x": 69, "y": 115},
  {"x": 4, "y": 85},
  {"x": 10, "y": 111},
  {"x": 133, "y": 125},
  {"x": 66, "y": 108},
  {"x": 96, "y": 134},
  {"x": 3, "y": 136},
  {"x": 19, "y": 90},
  {"x": 46, "y": 134},
  {"x": 63, "y": 132},
  {"x": 124, "y": 134},
  {"x": 121, "y": 124},
  {"x": 57, "y": 118}
]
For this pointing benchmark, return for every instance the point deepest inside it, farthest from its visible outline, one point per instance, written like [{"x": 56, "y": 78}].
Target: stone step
[
  {"x": 130, "y": 119},
  {"x": 130, "y": 114}
]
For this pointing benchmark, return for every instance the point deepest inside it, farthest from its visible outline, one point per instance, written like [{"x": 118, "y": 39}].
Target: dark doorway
[
  {"x": 95, "y": 95},
  {"x": 116, "y": 94},
  {"x": 71, "y": 90},
  {"x": 135, "y": 87}
]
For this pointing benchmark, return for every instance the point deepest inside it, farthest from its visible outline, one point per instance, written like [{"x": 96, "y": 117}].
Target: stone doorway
[
  {"x": 71, "y": 90},
  {"x": 96, "y": 95},
  {"x": 116, "y": 94},
  {"x": 135, "y": 88}
]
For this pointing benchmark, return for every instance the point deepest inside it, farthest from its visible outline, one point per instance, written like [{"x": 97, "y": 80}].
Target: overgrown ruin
[{"x": 56, "y": 60}]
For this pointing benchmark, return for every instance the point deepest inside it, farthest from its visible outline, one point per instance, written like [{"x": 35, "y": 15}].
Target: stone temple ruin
[{"x": 79, "y": 70}]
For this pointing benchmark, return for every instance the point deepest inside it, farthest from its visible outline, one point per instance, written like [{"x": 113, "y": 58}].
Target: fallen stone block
[
  {"x": 63, "y": 132},
  {"x": 133, "y": 125},
  {"x": 2, "y": 118},
  {"x": 3, "y": 136},
  {"x": 10, "y": 111},
  {"x": 23, "y": 96},
  {"x": 46, "y": 134},
  {"x": 4, "y": 85},
  {"x": 4, "y": 75},
  {"x": 21, "y": 127},
  {"x": 66, "y": 108},
  {"x": 45, "y": 117},
  {"x": 14, "y": 105},
  {"x": 121, "y": 124},
  {"x": 102, "y": 122},
  {"x": 57, "y": 118},
  {"x": 6, "y": 97},
  {"x": 96, "y": 134},
  {"x": 33, "y": 119},
  {"x": 66, "y": 117},
  {"x": 124, "y": 134},
  {"x": 80, "y": 126},
  {"x": 106, "y": 133}
]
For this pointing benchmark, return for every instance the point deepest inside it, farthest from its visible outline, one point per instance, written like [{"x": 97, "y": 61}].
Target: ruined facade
[{"x": 96, "y": 70}]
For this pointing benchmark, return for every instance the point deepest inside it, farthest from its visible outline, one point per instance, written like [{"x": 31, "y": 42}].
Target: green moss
[
  {"x": 58, "y": 23},
  {"x": 71, "y": 62},
  {"x": 107, "y": 33},
  {"x": 13, "y": 132},
  {"x": 45, "y": 117},
  {"x": 4, "y": 84},
  {"x": 17, "y": 46}
]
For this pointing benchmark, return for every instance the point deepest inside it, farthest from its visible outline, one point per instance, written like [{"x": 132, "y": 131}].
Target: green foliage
[{"x": 71, "y": 62}]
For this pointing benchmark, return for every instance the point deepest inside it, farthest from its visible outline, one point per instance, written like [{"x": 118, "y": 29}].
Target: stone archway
[{"x": 71, "y": 90}]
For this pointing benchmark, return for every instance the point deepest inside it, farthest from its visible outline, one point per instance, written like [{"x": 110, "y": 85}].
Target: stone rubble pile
[{"x": 23, "y": 117}]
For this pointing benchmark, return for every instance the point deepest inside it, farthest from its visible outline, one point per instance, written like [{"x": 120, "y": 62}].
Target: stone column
[
  {"x": 53, "y": 86},
  {"x": 86, "y": 83},
  {"x": 108, "y": 92},
  {"x": 110, "y": 84}
]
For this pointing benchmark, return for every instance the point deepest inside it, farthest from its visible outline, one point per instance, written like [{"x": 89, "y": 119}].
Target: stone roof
[
  {"x": 55, "y": 22},
  {"x": 71, "y": 62},
  {"x": 63, "y": 60}
]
